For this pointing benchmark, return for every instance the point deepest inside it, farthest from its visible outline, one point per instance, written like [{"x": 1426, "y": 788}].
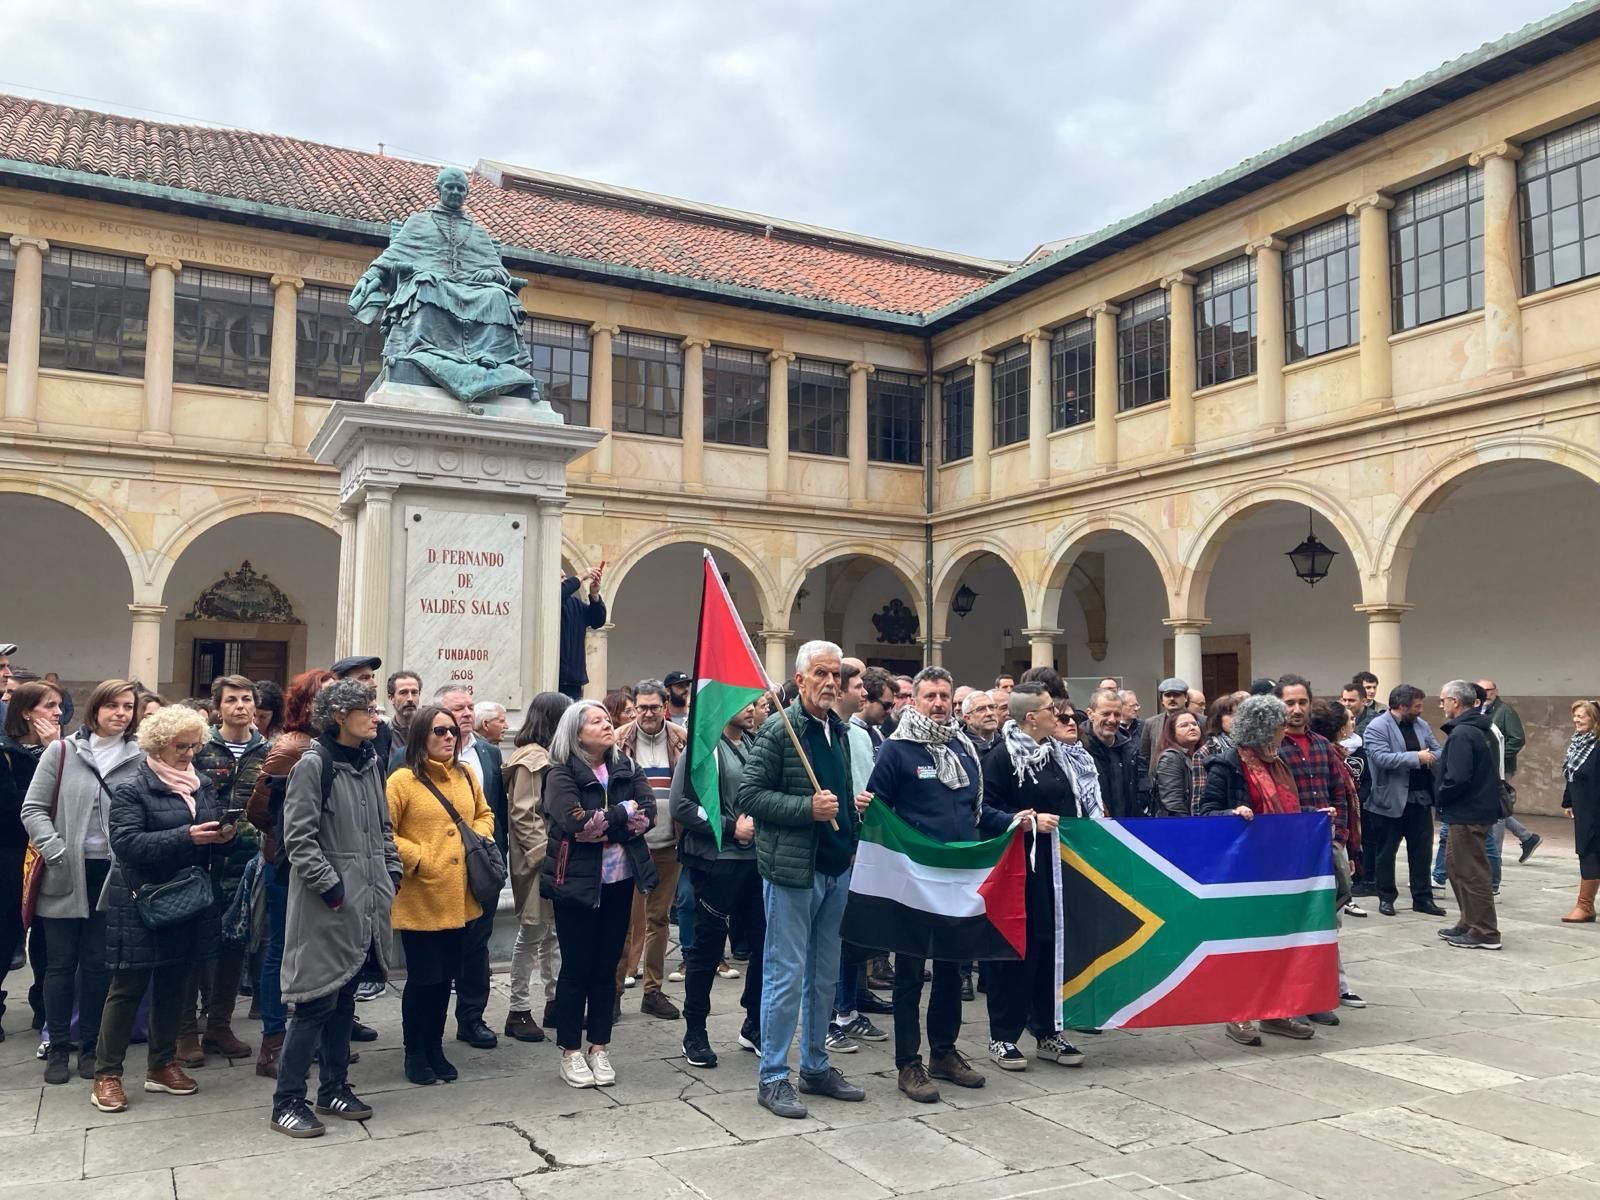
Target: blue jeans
[
  {"x": 274, "y": 1013},
  {"x": 1497, "y": 833},
  {"x": 683, "y": 905},
  {"x": 799, "y": 969}
]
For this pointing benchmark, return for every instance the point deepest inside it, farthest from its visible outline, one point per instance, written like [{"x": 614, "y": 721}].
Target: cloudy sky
[{"x": 985, "y": 128}]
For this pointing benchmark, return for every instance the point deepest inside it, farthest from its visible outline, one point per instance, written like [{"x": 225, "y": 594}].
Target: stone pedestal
[{"x": 454, "y": 521}]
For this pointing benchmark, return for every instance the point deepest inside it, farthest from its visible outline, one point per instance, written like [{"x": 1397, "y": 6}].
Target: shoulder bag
[
  {"x": 486, "y": 869},
  {"x": 182, "y": 898},
  {"x": 33, "y": 867}
]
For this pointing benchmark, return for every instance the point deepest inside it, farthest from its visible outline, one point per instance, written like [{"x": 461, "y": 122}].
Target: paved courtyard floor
[{"x": 1471, "y": 1074}]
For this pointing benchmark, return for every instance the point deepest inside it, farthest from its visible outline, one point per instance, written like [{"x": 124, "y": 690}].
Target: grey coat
[
  {"x": 697, "y": 839},
  {"x": 64, "y": 890},
  {"x": 1390, "y": 764},
  {"x": 346, "y": 842}
]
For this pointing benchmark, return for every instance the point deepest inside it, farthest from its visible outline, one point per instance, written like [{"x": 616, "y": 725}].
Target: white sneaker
[
  {"x": 728, "y": 972},
  {"x": 600, "y": 1068},
  {"x": 575, "y": 1069},
  {"x": 629, "y": 981},
  {"x": 676, "y": 975}
]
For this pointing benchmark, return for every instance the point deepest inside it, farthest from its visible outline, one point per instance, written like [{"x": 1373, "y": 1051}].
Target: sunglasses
[{"x": 444, "y": 731}]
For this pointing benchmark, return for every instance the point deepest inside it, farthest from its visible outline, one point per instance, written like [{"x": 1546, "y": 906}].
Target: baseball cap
[
  {"x": 676, "y": 679},
  {"x": 8, "y": 648}
]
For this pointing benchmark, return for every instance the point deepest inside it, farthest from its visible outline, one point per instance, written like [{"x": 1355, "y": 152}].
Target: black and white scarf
[
  {"x": 936, "y": 736},
  {"x": 1578, "y": 751}
]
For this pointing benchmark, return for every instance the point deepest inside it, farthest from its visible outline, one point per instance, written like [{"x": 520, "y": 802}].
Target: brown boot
[
  {"x": 267, "y": 1060},
  {"x": 914, "y": 1082},
  {"x": 1583, "y": 911},
  {"x": 220, "y": 1040},
  {"x": 189, "y": 1052},
  {"x": 955, "y": 1068},
  {"x": 523, "y": 1027}
]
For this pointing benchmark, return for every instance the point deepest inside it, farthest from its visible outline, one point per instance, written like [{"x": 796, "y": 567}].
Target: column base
[
  {"x": 151, "y": 437},
  {"x": 18, "y": 425},
  {"x": 279, "y": 450},
  {"x": 694, "y": 489}
]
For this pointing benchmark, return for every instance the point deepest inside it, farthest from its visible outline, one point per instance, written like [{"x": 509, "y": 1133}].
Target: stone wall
[{"x": 1547, "y": 720}]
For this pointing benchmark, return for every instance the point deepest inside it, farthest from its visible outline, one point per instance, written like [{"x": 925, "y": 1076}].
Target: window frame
[
  {"x": 1311, "y": 253},
  {"x": 723, "y": 369},
  {"x": 8, "y": 284},
  {"x": 1012, "y": 382},
  {"x": 1546, "y": 164},
  {"x": 825, "y": 397},
  {"x": 1070, "y": 345},
  {"x": 211, "y": 287},
  {"x": 567, "y": 363},
  {"x": 955, "y": 415},
  {"x": 649, "y": 366},
  {"x": 1434, "y": 253},
  {"x": 320, "y": 309},
  {"x": 1139, "y": 388},
  {"x": 895, "y": 419},
  {"x": 1219, "y": 289},
  {"x": 83, "y": 279}
]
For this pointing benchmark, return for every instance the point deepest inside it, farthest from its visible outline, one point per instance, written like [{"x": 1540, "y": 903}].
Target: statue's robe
[{"x": 464, "y": 336}]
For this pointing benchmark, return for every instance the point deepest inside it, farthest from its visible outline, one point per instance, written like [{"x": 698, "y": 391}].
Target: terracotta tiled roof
[{"x": 330, "y": 181}]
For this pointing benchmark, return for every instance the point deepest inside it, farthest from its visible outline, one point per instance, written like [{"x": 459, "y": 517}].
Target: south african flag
[{"x": 1197, "y": 920}]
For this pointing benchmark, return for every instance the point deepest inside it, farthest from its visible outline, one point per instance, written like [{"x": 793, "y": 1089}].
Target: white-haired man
[{"x": 489, "y": 721}]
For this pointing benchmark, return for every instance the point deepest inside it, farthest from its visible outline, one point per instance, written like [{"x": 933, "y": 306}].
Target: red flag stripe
[{"x": 725, "y": 653}]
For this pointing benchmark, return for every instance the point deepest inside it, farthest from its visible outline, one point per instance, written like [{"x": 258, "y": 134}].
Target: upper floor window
[
  {"x": 955, "y": 417},
  {"x": 1436, "y": 249},
  {"x": 1225, "y": 322},
  {"x": 334, "y": 354},
  {"x": 1011, "y": 395},
  {"x": 646, "y": 385},
  {"x": 92, "y": 312},
  {"x": 8, "y": 279},
  {"x": 894, "y": 417},
  {"x": 1072, "y": 374},
  {"x": 735, "y": 396},
  {"x": 1143, "y": 333},
  {"x": 1321, "y": 293},
  {"x": 560, "y": 353},
  {"x": 819, "y": 407},
  {"x": 1560, "y": 182},
  {"x": 222, "y": 329}
]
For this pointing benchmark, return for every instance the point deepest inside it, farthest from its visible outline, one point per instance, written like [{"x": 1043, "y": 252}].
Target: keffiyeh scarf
[
  {"x": 914, "y": 727},
  {"x": 1578, "y": 751},
  {"x": 1028, "y": 758}
]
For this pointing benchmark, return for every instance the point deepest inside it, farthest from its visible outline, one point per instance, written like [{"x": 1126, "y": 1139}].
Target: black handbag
[
  {"x": 182, "y": 898},
  {"x": 486, "y": 868}
]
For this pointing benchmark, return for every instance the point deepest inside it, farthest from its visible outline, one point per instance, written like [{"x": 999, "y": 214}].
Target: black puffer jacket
[
  {"x": 1118, "y": 765},
  {"x": 150, "y": 838},
  {"x": 17, "y": 765},
  {"x": 572, "y": 793}
]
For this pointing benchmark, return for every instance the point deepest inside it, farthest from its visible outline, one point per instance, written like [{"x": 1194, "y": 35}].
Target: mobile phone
[{"x": 231, "y": 816}]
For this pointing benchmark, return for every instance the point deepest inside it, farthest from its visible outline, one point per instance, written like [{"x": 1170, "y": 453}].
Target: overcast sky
[{"x": 986, "y": 128}]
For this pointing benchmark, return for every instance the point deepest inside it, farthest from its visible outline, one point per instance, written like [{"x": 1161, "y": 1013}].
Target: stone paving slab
[
  {"x": 1122, "y": 1122},
  {"x": 1230, "y": 1101},
  {"x": 1016, "y": 1137},
  {"x": 137, "y": 1185},
  {"x": 1561, "y": 1129},
  {"x": 907, "y": 1155},
  {"x": 612, "y": 1134},
  {"x": 1437, "y": 1071},
  {"x": 1336, "y": 1164},
  {"x": 791, "y": 1169},
  {"x": 1484, "y": 1153}
]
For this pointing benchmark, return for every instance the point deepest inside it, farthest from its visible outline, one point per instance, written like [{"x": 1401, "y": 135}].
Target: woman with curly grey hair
[
  {"x": 1248, "y": 780},
  {"x": 343, "y": 872}
]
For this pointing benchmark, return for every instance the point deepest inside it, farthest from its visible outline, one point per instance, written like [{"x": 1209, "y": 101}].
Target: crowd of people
[{"x": 159, "y": 859}]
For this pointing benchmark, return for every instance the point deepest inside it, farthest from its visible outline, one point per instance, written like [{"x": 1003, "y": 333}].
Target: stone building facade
[{"x": 1384, "y": 330}]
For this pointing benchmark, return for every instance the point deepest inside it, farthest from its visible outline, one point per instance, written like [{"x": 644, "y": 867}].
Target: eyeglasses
[
  {"x": 444, "y": 731},
  {"x": 371, "y": 710},
  {"x": 649, "y": 708},
  {"x": 185, "y": 747}
]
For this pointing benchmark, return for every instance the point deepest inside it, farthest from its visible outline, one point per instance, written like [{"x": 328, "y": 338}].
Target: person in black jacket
[
  {"x": 164, "y": 820},
  {"x": 597, "y": 805},
  {"x": 1581, "y": 798},
  {"x": 32, "y": 722},
  {"x": 1115, "y": 755},
  {"x": 578, "y": 615},
  {"x": 1468, "y": 799},
  {"x": 1027, "y": 771}
]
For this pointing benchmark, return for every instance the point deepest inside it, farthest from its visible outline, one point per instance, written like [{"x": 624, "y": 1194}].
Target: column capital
[
  {"x": 602, "y": 327},
  {"x": 1497, "y": 150},
  {"x": 293, "y": 281},
  {"x": 18, "y": 241},
  {"x": 379, "y": 493},
  {"x": 1382, "y": 613},
  {"x": 862, "y": 368},
  {"x": 147, "y": 612},
  {"x": 1106, "y": 307},
  {"x": 690, "y": 343},
  {"x": 1370, "y": 200},
  {"x": 780, "y": 356},
  {"x": 1270, "y": 242},
  {"x": 773, "y": 635},
  {"x": 1043, "y": 633},
  {"x": 1186, "y": 624},
  {"x": 153, "y": 261},
  {"x": 974, "y": 360},
  {"x": 1037, "y": 335},
  {"x": 1177, "y": 279}
]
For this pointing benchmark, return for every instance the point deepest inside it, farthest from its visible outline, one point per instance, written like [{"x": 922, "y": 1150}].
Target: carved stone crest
[
  {"x": 896, "y": 623},
  {"x": 244, "y": 596}
]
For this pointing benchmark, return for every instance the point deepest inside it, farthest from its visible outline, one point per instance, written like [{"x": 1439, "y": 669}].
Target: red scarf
[{"x": 1269, "y": 783}]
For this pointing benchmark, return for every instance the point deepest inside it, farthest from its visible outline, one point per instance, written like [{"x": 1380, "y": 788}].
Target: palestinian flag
[
  {"x": 727, "y": 677},
  {"x": 956, "y": 901},
  {"x": 1198, "y": 920}
]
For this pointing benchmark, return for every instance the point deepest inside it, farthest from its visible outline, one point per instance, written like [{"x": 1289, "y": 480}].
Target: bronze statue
[{"x": 449, "y": 307}]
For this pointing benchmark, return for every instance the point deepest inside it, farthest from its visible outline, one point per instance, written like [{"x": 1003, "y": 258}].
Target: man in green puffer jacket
[{"x": 805, "y": 843}]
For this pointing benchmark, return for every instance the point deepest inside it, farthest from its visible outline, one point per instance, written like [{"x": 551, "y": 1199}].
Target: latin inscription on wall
[{"x": 463, "y": 610}]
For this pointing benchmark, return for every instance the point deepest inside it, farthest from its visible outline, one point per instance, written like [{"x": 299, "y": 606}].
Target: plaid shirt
[{"x": 1322, "y": 780}]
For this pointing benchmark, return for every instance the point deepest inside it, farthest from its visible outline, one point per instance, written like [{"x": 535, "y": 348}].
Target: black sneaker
[
  {"x": 863, "y": 1030},
  {"x": 1471, "y": 941},
  {"x": 1450, "y": 931},
  {"x": 370, "y": 990},
  {"x": 967, "y": 992},
  {"x": 1528, "y": 847},
  {"x": 697, "y": 1051},
  {"x": 778, "y": 1097},
  {"x": 837, "y": 1042},
  {"x": 832, "y": 1084},
  {"x": 58, "y": 1066},
  {"x": 1007, "y": 1057},
  {"x": 296, "y": 1120},
  {"x": 1351, "y": 1000},
  {"x": 347, "y": 1106},
  {"x": 362, "y": 1033},
  {"x": 750, "y": 1036}
]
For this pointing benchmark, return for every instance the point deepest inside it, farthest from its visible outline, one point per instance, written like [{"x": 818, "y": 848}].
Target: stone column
[
  {"x": 600, "y": 398},
  {"x": 1502, "y": 257},
  {"x": 1271, "y": 339},
  {"x": 1181, "y": 368},
  {"x": 1376, "y": 326},
  {"x": 369, "y": 626},
  {"x": 936, "y": 648},
  {"x": 1187, "y": 662},
  {"x": 1383, "y": 642},
  {"x": 157, "y": 429},
  {"x": 280, "y": 380},
  {"x": 144, "y": 646},
  {"x": 597, "y": 646},
  {"x": 856, "y": 442},
  {"x": 778, "y": 423},
  {"x": 694, "y": 414},
  {"x": 935, "y": 419},
  {"x": 545, "y": 602},
  {"x": 343, "y": 633},
  {"x": 775, "y": 646},
  {"x": 22, "y": 371},
  {"x": 1104, "y": 316},
  {"x": 1038, "y": 404},
  {"x": 982, "y": 424},
  {"x": 1041, "y": 646}
]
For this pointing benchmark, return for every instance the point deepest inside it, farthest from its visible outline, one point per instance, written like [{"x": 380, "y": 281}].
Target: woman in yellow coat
[{"x": 434, "y": 905}]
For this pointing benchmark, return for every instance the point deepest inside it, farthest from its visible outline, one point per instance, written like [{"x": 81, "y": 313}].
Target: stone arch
[
  {"x": 166, "y": 556},
  {"x": 1043, "y": 597},
  {"x": 716, "y": 540},
  {"x": 1200, "y": 553},
  {"x": 1399, "y": 538},
  {"x": 907, "y": 571},
  {"x": 947, "y": 578},
  {"x": 106, "y": 518}
]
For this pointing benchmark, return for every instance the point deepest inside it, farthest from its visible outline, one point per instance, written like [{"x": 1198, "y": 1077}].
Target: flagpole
[{"x": 800, "y": 750}]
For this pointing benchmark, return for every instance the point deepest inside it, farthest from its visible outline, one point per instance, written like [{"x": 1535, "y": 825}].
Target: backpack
[{"x": 277, "y": 790}]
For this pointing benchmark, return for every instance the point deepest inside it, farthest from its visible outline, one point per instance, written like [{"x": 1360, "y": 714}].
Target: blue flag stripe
[{"x": 1210, "y": 850}]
